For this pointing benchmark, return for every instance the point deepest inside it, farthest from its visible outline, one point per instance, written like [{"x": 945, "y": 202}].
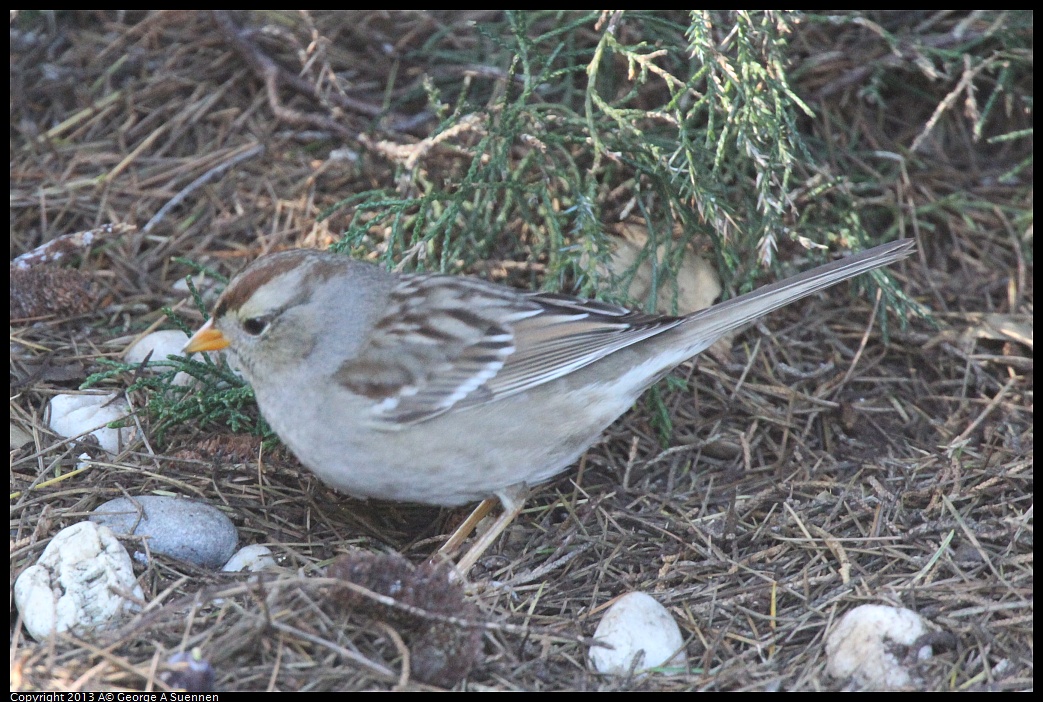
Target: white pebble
[
  {"x": 637, "y": 625},
  {"x": 250, "y": 558},
  {"x": 864, "y": 646},
  {"x": 83, "y": 581},
  {"x": 75, "y": 415},
  {"x": 162, "y": 345}
]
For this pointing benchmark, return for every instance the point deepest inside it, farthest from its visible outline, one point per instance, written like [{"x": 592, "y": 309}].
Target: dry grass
[{"x": 812, "y": 466}]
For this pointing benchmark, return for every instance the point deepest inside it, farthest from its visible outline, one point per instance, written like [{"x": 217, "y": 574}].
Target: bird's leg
[
  {"x": 513, "y": 499},
  {"x": 466, "y": 527}
]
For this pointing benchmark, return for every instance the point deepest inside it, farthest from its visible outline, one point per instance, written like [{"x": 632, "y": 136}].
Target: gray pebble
[{"x": 184, "y": 529}]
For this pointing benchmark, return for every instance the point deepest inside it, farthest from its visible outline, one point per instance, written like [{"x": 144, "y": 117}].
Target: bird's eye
[{"x": 255, "y": 325}]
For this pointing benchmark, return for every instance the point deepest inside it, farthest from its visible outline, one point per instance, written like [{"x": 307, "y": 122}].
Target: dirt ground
[{"x": 812, "y": 465}]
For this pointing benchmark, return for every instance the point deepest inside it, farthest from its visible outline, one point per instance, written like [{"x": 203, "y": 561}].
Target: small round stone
[
  {"x": 76, "y": 414},
  {"x": 250, "y": 558},
  {"x": 867, "y": 647},
  {"x": 157, "y": 346},
  {"x": 184, "y": 529},
  {"x": 83, "y": 581},
  {"x": 636, "y": 625}
]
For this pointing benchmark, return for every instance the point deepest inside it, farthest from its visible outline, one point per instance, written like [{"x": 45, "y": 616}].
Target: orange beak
[{"x": 207, "y": 339}]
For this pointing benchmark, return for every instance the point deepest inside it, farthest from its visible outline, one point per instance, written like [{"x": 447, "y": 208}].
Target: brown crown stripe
[{"x": 321, "y": 267}]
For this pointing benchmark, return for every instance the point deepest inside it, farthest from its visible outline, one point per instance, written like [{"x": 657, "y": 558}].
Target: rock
[
  {"x": 189, "y": 671},
  {"x": 249, "y": 558},
  {"x": 83, "y": 581},
  {"x": 19, "y": 437},
  {"x": 162, "y": 345},
  {"x": 75, "y": 415},
  {"x": 636, "y": 625},
  {"x": 868, "y": 647},
  {"x": 697, "y": 284},
  {"x": 184, "y": 529}
]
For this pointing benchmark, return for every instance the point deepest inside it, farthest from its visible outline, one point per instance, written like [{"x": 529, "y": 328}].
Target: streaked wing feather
[
  {"x": 556, "y": 343},
  {"x": 452, "y": 342}
]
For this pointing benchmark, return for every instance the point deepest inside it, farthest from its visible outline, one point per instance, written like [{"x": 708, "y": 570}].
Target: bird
[{"x": 447, "y": 390}]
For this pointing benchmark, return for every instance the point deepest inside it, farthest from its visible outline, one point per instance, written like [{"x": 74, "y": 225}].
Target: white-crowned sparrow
[{"x": 447, "y": 390}]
